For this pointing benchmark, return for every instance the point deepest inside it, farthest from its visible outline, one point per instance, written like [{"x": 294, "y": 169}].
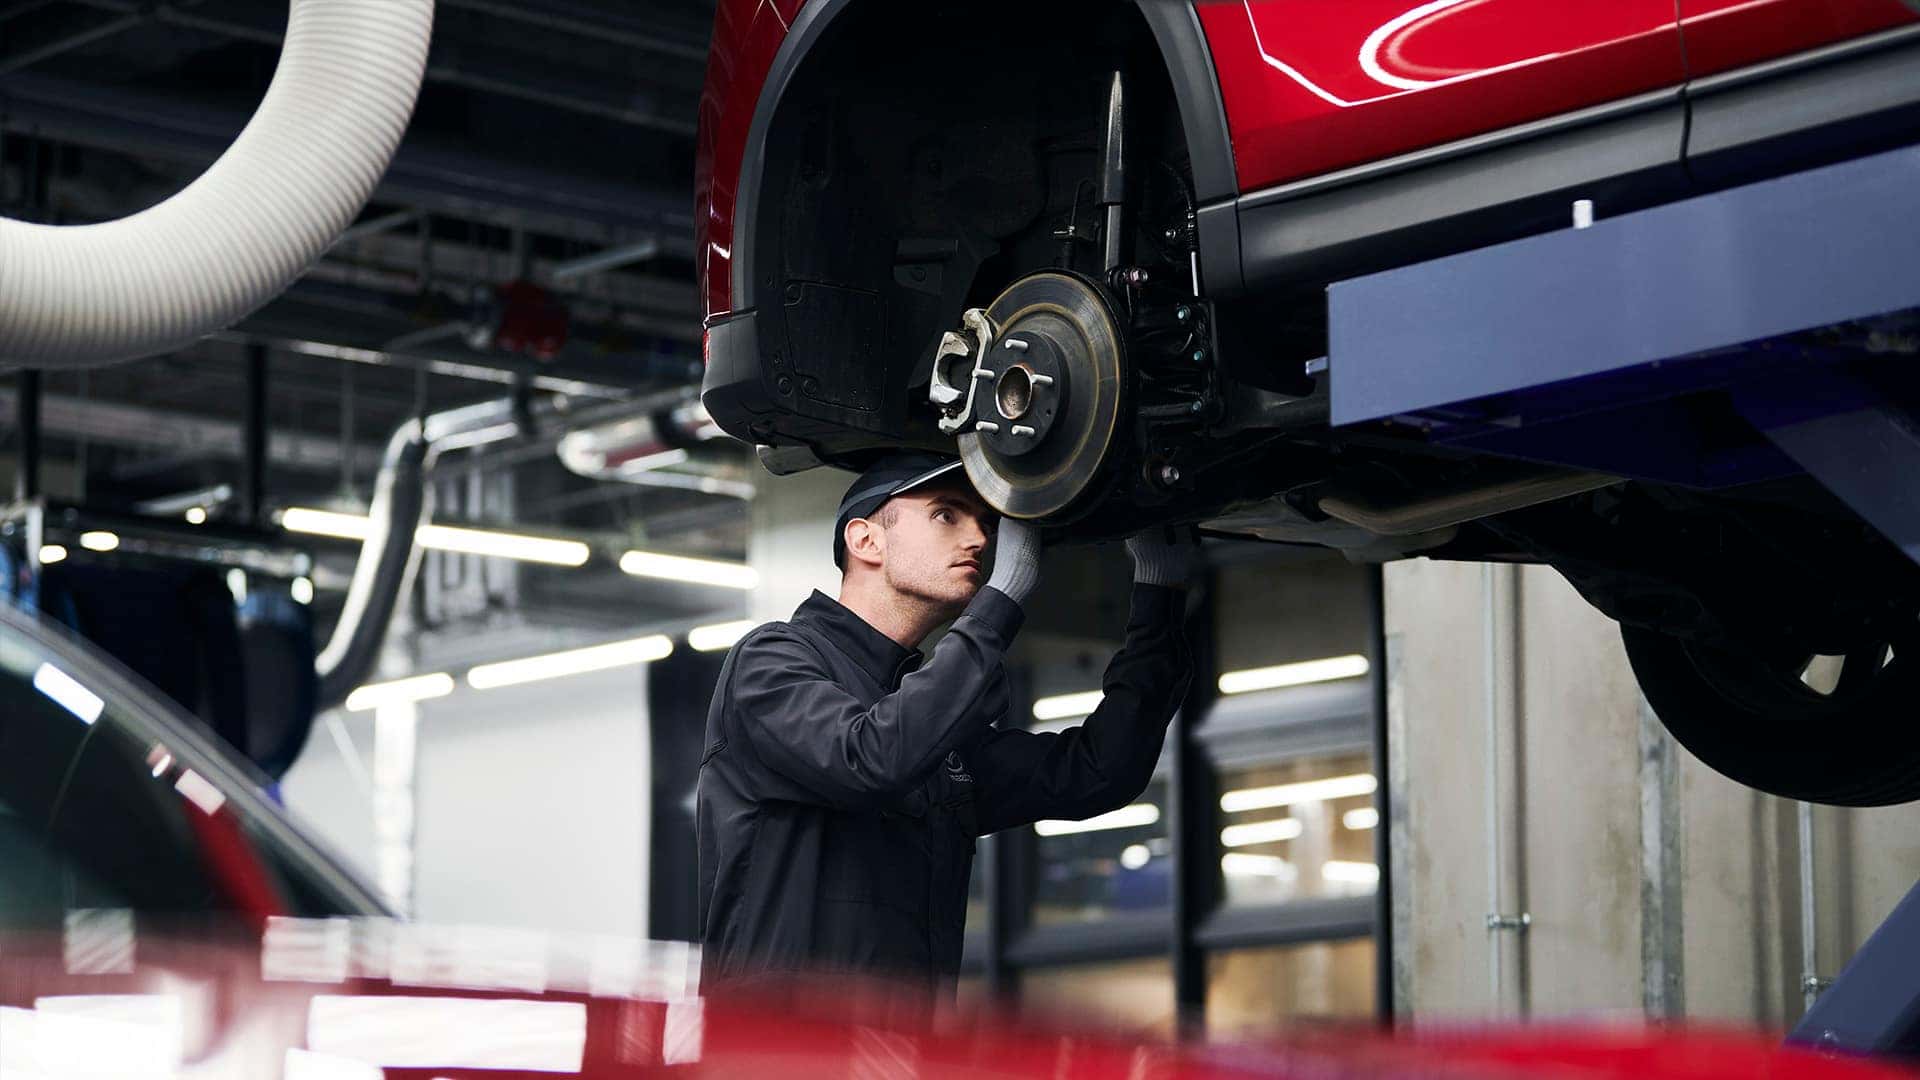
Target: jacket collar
[{"x": 877, "y": 654}]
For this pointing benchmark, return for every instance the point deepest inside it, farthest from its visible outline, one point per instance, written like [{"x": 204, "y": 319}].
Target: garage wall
[
  {"x": 792, "y": 540},
  {"x": 530, "y": 804},
  {"x": 1654, "y": 886},
  {"x": 331, "y": 791}
]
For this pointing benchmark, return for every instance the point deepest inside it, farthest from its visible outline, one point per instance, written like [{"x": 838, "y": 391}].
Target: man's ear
[{"x": 866, "y": 541}]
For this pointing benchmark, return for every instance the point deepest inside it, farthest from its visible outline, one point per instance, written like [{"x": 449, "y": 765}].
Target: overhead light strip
[
  {"x": 1300, "y": 674},
  {"x": 571, "y": 662},
  {"x": 1261, "y": 832},
  {"x": 400, "y": 691},
  {"x": 1350, "y": 873},
  {"x": 1268, "y": 798},
  {"x": 718, "y": 636},
  {"x": 466, "y": 541},
  {"x": 1136, "y": 816},
  {"x": 682, "y": 568},
  {"x": 503, "y": 545},
  {"x": 1067, "y": 706}
]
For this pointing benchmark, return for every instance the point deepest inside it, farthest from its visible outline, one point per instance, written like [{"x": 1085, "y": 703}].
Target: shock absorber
[{"x": 1113, "y": 173}]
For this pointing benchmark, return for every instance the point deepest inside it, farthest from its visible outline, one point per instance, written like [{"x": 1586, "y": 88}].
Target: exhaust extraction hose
[{"x": 294, "y": 179}]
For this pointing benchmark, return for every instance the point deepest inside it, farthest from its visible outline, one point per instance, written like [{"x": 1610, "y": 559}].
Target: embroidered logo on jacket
[{"x": 957, "y": 769}]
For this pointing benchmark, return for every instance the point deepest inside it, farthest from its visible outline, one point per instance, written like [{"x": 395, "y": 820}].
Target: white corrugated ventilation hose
[{"x": 293, "y": 180}]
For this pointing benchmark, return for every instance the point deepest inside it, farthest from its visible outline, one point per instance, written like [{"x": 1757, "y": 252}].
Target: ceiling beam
[
  {"x": 488, "y": 71},
  {"x": 450, "y": 182}
]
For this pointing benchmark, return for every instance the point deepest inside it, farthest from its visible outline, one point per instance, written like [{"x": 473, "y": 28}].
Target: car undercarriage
[{"x": 1002, "y": 253}]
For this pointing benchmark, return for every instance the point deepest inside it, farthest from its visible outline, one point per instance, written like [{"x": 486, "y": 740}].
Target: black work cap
[{"x": 892, "y": 475}]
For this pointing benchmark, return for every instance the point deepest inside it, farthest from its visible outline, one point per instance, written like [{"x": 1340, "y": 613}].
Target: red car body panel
[
  {"x": 1722, "y": 35},
  {"x": 746, "y": 36},
  {"x": 237, "y": 1023},
  {"x": 1311, "y": 87},
  {"x": 232, "y": 861}
]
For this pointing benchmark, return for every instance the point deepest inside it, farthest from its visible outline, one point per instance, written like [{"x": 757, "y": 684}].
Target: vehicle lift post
[{"x": 1569, "y": 348}]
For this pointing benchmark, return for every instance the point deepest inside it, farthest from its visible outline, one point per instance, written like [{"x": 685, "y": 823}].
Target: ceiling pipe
[
  {"x": 290, "y": 184},
  {"x": 402, "y": 502}
]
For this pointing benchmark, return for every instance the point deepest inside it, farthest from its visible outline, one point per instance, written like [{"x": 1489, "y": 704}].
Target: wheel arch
[{"x": 835, "y": 63}]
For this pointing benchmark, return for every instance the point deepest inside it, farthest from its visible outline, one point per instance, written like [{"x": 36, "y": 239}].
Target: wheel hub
[
  {"x": 1029, "y": 389},
  {"x": 1042, "y": 421}
]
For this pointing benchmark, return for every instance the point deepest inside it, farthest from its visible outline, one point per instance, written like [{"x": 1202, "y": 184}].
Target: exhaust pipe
[{"x": 294, "y": 179}]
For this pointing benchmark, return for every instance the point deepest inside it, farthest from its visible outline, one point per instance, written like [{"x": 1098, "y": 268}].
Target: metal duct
[
  {"x": 292, "y": 181},
  {"x": 663, "y": 448},
  {"x": 402, "y": 503},
  {"x": 387, "y": 560},
  {"x": 388, "y": 556}
]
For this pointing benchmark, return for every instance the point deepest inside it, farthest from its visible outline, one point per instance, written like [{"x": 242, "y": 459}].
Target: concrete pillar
[{"x": 1653, "y": 884}]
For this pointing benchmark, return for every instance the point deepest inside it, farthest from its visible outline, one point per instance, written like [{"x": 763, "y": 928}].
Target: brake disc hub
[
  {"x": 1033, "y": 386},
  {"x": 1027, "y": 393}
]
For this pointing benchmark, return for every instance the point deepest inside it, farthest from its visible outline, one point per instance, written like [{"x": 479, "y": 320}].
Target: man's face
[{"x": 936, "y": 544}]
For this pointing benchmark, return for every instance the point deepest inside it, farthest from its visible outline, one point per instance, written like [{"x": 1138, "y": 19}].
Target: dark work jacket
[{"x": 844, "y": 782}]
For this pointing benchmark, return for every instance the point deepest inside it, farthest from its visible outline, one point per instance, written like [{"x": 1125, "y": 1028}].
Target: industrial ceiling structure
[{"x": 532, "y": 239}]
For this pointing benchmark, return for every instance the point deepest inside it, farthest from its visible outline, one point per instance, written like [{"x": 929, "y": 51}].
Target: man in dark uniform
[{"x": 845, "y": 776}]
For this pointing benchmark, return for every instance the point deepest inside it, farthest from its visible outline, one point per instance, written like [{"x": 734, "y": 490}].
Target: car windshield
[{"x": 110, "y": 800}]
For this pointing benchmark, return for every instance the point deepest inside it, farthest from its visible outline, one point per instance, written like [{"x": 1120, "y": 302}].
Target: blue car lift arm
[{"x": 1572, "y": 349}]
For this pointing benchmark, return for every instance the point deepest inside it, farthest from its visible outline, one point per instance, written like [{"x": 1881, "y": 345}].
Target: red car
[{"x": 1085, "y": 243}]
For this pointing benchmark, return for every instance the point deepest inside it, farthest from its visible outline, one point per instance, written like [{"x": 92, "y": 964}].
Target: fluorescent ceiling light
[
  {"x": 1243, "y": 864},
  {"x": 300, "y": 519},
  {"x": 652, "y": 564},
  {"x": 571, "y": 662},
  {"x": 1067, "y": 706},
  {"x": 400, "y": 691},
  {"x": 1135, "y": 856},
  {"x": 1359, "y": 820},
  {"x": 99, "y": 541},
  {"x": 196, "y": 515},
  {"x": 1307, "y": 671},
  {"x": 1127, "y": 817},
  {"x": 302, "y": 590},
  {"x": 51, "y": 553},
  {"x": 67, "y": 691},
  {"x": 1353, "y": 873},
  {"x": 490, "y": 542},
  {"x": 1266, "y": 798},
  {"x": 1261, "y": 832},
  {"x": 718, "y": 636},
  {"x": 502, "y": 545}
]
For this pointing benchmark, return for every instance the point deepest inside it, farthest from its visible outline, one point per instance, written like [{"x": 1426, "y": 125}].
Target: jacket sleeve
[
  {"x": 1106, "y": 761},
  {"x": 820, "y": 745}
]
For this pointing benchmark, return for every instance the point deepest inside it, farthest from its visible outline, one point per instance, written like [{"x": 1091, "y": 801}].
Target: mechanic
[{"x": 844, "y": 779}]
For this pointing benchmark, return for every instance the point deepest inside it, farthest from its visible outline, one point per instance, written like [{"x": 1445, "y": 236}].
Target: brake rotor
[{"x": 1047, "y": 419}]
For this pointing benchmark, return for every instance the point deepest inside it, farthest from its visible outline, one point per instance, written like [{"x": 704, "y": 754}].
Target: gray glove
[
  {"x": 1164, "y": 556},
  {"x": 1016, "y": 559}
]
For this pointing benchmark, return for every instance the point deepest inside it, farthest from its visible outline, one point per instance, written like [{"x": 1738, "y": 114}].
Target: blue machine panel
[{"x": 1611, "y": 301}]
